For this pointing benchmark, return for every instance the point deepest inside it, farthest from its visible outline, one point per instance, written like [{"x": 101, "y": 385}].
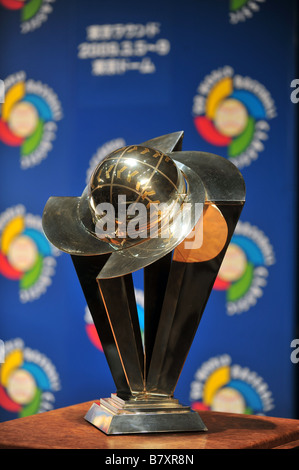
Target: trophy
[{"x": 170, "y": 213}]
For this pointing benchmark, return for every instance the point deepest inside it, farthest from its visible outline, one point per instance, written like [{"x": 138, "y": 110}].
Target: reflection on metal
[
  {"x": 179, "y": 272},
  {"x": 117, "y": 416},
  {"x": 212, "y": 228}
]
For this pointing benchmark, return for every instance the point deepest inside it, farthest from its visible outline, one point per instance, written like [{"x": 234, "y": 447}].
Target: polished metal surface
[
  {"x": 115, "y": 416},
  {"x": 166, "y": 143},
  {"x": 123, "y": 318},
  {"x": 154, "y": 286},
  {"x": 138, "y": 256},
  {"x": 87, "y": 268},
  {"x": 188, "y": 289},
  {"x": 138, "y": 175},
  {"x": 221, "y": 178},
  {"x": 178, "y": 276},
  {"x": 69, "y": 222},
  {"x": 65, "y": 231}
]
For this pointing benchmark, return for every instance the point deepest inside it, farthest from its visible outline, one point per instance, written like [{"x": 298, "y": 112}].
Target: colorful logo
[
  {"x": 102, "y": 152},
  {"x": 222, "y": 386},
  {"x": 91, "y": 329},
  {"x": 28, "y": 118},
  {"x": 232, "y": 112},
  {"x": 27, "y": 380},
  {"x": 26, "y": 255},
  {"x": 244, "y": 270},
  {"x": 242, "y": 10},
  {"x": 33, "y": 12}
]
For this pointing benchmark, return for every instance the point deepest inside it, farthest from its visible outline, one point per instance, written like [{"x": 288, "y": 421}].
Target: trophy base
[{"x": 133, "y": 416}]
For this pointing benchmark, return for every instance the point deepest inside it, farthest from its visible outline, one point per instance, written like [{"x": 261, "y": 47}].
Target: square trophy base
[{"x": 116, "y": 415}]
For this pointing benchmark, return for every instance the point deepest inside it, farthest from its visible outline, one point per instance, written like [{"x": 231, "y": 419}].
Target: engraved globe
[{"x": 133, "y": 193}]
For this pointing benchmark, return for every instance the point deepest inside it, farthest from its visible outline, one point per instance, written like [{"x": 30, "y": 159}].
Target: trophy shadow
[
  {"x": 218, "y": 422},
  {"x": 225, "y": 431}
]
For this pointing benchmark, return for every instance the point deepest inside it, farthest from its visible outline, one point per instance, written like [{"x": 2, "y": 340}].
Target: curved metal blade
[
  {"x": 221, "y": 178},
  {"x": 166, "y": 143},
  {"x": 65, "y": 231}
]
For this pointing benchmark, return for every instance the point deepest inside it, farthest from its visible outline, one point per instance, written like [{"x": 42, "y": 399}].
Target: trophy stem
[
  {"x": 188, "y": 290},
  {"x": 120, "y": 305},
  {"x": 172, "y": 293},
  {"x": 155, "y": 283},
  {"x": 130, "y": 290},
  {"x": 87, "y": 269}
]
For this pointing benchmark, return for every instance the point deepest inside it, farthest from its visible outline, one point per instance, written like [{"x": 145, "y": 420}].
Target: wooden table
[{"x": 65, "y": 428}]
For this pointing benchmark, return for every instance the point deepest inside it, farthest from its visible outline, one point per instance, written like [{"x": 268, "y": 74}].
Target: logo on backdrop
[
  {"x": 102, "y": 152},
  {"x": 26, "y": 255},
  {"x": 233, "y": 112},
  {"x": 33, "y": 13},
  {"x": 220, "y": 385},
  {"x": 242, "y": 10},
  {"x": 91, "y": 329},
  {"x": 244, "y": 270},
  {"x": 28, "y": 380},
  {"x": 28, "y": 118}
]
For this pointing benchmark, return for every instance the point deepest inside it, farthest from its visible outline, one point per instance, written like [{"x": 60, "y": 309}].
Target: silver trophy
[{"x": 171, "y": 213}]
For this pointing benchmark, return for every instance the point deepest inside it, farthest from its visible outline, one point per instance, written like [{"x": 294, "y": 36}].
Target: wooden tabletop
[{"x": 66, "y": 428}]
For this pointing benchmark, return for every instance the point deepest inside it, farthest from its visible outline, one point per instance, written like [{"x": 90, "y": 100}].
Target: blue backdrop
[{"x": 84, "y": 78}]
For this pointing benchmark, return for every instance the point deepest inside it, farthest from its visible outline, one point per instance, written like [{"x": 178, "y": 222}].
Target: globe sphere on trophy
[{"x": 170, "y": 213}]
